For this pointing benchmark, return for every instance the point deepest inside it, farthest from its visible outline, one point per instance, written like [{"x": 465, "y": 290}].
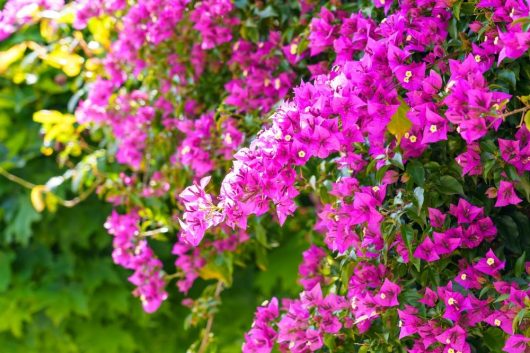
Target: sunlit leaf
[
  {"x": 10, "y": 56},
  {"x": 399, "y": 124},
  {"x": 37, "y": 197}
]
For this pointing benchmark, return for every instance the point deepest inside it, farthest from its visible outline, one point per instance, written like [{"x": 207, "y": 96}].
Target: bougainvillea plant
[{"x": 393, "y": 135}]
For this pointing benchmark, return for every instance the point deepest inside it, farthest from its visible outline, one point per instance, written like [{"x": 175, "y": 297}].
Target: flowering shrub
[{"x": 393, "y": 134}]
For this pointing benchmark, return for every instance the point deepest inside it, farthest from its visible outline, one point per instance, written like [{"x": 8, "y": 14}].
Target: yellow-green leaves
[
  {"x": 57, "y": 126},
  {"x": 221, "y": 268},
  {"x": 101, "y": 27},
  {"x": 527, "y": 119},
  {"x": 11, "y": 55},
  {"x": 61, "y": 128},
  {"x": 37, "y": 199},
  {"x": 62, "y": 58},
  {"x": 42, "y": 198},
  {"x": 400, "y": 124}
]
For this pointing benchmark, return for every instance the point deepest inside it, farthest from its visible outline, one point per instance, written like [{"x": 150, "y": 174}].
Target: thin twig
[
  {"x": 152, "y": 232},
  {"x": 24, "y": 183},
  {"x": 209, "y": 324},
  {"x": 513, "y": 112},
  {"x": 73, "y": 202},
  {"x": 169, "y": 277},
  {"x": 28, "y": 185}
]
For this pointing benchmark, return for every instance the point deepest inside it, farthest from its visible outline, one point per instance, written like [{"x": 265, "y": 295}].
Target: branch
[
  {"x": 24, "y": 183},
  {"x": 73, "y": 202},
  {"x": 66, "y": 203},
  {"x": 209, "y": 324},
  {"x": 513, "y": 112}
]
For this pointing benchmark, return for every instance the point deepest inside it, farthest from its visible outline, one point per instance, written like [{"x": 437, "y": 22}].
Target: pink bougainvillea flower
[
  {"x": 262, "y": 337},
  {"x": 410, "y": 76},
  {"x": 314, "y": 340},
  {"x": 453, "y": 338},
  {"x": 518, "y": 297},
  {"x": 435, "y": 128},
  {"x": 468, "y": 277},
  {"x": 465, "y": 212},
  {"x": 312, "y": 297},
  {"x": 433, "y": 83},
  {"x": 388, "y": 294},
  {"x": 428, "y": 333},
  {"x": 509, "y": 150},
  {"x": 309, "y": 268},
  {"x": 429, "y": 298},
  {"x": 490, "y": 265},
  {"x": 446, "y": 243},
  {"x": 506, "y": 195},
  {"x": 470, "y": 161},
  {"x": 517, "y": 344},
  {"x": 322, "y": 32},
  {"x": 479, "y": 310},
  {"x": 514, "y": 44},
  {"x": 502, "y": 320},
  {"x": 427, "y": 251},
  {"x": 408, "y": 321},
  {"x": 200, "y": 212},
  {"x": 436, "y": 217},
  {"x": 385, "y": 4},
  {"x": 455, "y": 302}
]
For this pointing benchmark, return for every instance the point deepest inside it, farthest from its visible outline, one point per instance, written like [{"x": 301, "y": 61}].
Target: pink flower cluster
[
  {"x": 17, "y": 13},
  {"x": 262, "y": 337},
  {"x": 403, "y": 76},
  {"x": 309, "y": 269},
  {"x": 308, "y": 126},
  {"x": 134, "y": 253},
  {"x": 87, "y": 9},
  {"x": 464, "y": 310},
  {"x": 305, "y": 322},
  {"x": 213, "y": 19},
  {"x": 382, "y": 96},
  {"x": 258, "y": 85},
  {"x": 189, "y": 262},
  {"x": 198, "y": 147},
  {"x": 473, "y": 227},
  {"x": 129, "y": 122}
]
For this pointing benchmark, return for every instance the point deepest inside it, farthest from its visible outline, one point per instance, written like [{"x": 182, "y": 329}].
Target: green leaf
[
  {"x": 508, "y": 76},
  {"x": 266, "y": 12},
  {"x": 283, "y": 268},
  {"x": 527, "y": 119},
  {"x": 418, "y": 195},
  {"x": 519, "y": 268},
  {"x": 221, "y": 268},
  {"x": 261, "y": 234},
  {"x": 449, "y": 185},
  {"x": 19, "y": 221},
  {"x": 417, "y": 172},
  {"x": 456, "y": 9},
  {"x": 494, "y": 339},
  {"x": 6, "y": 258},
  {"x": 397, "y": 160},
  {"x": 467, "y": 9},
  {"x": 262, "y": 260},
  {"x": 407, "y": 233},
  {"x": 518, "y": 319}
]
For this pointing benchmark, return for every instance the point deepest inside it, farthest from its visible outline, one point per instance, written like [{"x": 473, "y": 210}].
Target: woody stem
[
  {"x": 24, "y": 183},
  {"x": 513, "y": 112},
  {"x": 209, "y": 324}
]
